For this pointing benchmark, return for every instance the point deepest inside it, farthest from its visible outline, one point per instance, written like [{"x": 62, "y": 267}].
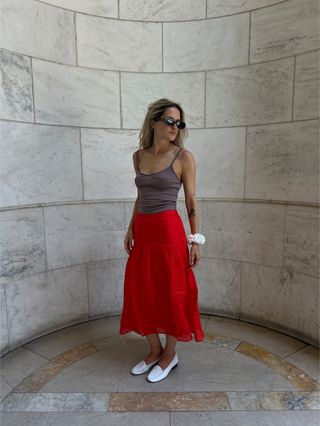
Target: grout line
[
  {"x": 245, "y": 163},
  {"x": 32, "y": 90},
  {"x": 249, "y": 44},
  {"x": 81, "y": 163},
  {"x": 76, "y": 38},
  {"x": 196, "y": 71},
  {"x": 192, "y": 129},
  {"x": 146, "y": 21},
  {"x": 293, "y": 85}
]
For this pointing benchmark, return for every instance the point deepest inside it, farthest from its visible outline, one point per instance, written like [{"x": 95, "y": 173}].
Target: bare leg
[
  {"x": 155, "y": 346},
  {"x": 169, "y": 352}
]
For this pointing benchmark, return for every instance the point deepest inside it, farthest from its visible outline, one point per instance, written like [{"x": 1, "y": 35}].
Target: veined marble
[
  {"x": 23, "y": 250},
  {"x": 138, "y": 90},
  {"x": 306, "y": 89},
  {"x": 206, "y": 44},
  {"x": 39, "y": 164},
  {"x": 228, "y": 7},
  {"x": 39, "y": 30},
  {"x": 164, "y": 10},
  {"x": 107, "y": 163},
  {"x": 16, "y": 101},
  {"x": 255, "y": 94},
  {"x": 78, "y": 96},
  {"x": 286, "y": 29},
  {"x": 282, "y": 162},
  {"x": 97, "y": 49},
  {"x": 107, "y": 8}
]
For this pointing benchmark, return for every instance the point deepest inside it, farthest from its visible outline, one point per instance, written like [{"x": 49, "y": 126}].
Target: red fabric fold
[{"x": 160, "y": 290}]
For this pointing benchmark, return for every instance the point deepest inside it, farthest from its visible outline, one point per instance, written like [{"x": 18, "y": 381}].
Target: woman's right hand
[{"x": 128, "y": 241}]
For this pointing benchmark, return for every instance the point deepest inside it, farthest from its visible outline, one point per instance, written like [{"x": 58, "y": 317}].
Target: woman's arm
[
  {"x": 135, "y": 208},
  {"x": 189, "y": 186},
  {"x": 136, "y": 204}
]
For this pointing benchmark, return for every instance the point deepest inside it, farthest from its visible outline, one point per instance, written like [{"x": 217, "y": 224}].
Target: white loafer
[
  {"x": 157, "y": 374},
  {"x": 142, "y": 367}
]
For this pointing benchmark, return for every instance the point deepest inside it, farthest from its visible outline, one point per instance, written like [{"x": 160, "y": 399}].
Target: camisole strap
[{"x": 177, "y": 153}]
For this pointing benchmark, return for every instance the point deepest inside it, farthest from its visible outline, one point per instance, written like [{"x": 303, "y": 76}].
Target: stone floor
[{"x": 241, "y": 374}]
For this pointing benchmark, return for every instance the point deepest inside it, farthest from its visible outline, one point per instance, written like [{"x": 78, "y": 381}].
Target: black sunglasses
[{"x": 170, "y": 122}]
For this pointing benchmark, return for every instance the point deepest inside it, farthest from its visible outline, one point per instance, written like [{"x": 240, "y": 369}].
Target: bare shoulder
[{"x": 187, "y": 157}]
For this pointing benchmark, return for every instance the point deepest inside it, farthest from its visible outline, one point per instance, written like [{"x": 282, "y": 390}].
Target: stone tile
[
  {"x": 23, "y": 419},
  {"x": 282, "y": 162},
  {"x": 307, "y": 359},
  {"x": 274, "y": 400},
  {"x": 140, "y": 89},
  {"x": 219, "y": 166},
  {"x": 149, "y": 10},
  {"x": 109, "y": 419},
  {"x": 107, "y": 163},
  {"x": 281, "y": 299},
  {"x": 46, "y": 372},
  {"x": 276, "y": 343},
  {"x": 78, "y": 96},
  {"x": 84, "y": 233},
  {"x": 18, "y": 364},
  {"x": 59, "y": 298},
  {"x": 187, "y": 46},
  {"x": 22, "y": 240},
  {"x": 53, "y": 344},
  {"x": 46, "y": 161},
  {"x": 101, "y": 371},
  {"x": 95, "y": 7},
  {"x": 228, "y": 7},
  {"x": 223, "y": 369},
  {"x": 39, "y": 30},
  {"x": 45, "y": 402},
  {"x": 96, "y": 49},
  {"x": 15, "y": 87},
  {"x": 256, "y": 94},
  {"x": 105, "y": 287},
  {"x": 302, "y": 381},
  {"x": 301, "y": 247},
  {"x": 4, "y": 336},
  {"x": 285, "y": 29},
  {"x": 161, "y": 401},
  {"x": 5, "y": 388},
  {"x": 219, "y": 286},
  {"x": 306, "y": 89},
  {"x": 243, "y": 231},
  {"x": 246, "y": 418}
]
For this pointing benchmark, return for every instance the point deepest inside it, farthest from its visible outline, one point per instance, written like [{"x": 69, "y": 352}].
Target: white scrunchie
[{"x": 196, "y": 238}]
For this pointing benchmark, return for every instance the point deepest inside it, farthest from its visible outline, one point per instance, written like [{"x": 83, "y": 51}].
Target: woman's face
[{"x": 164, "y": 131}]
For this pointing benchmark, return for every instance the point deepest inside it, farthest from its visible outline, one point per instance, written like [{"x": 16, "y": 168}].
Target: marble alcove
[{"x": 76, "y": 80}]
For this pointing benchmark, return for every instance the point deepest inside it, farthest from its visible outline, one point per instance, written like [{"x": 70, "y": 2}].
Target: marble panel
[
  {"x": 15, "y": 87},
  {"x": 82, "y": 233},
  {"x": 229, "y": 7},
  {"x": 97, "y": 49},
  {"x": 78, "y": 96},
  {"x": 39, "y": 30},
  {"x": 107, "y": 8},
  {"x": 255, "y": 94},
  {"x": 282, "y": 162},
  {"x": 289, "y": 28},
  {"x": 39, "y": 164},
  {"x": 188, "y": 46}
]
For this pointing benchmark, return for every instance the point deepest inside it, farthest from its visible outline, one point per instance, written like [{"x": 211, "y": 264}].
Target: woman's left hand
[{"x": 194, "y": 255}]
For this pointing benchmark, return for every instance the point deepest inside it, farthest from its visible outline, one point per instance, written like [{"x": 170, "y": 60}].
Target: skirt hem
[{"x": 186, "y": 338}]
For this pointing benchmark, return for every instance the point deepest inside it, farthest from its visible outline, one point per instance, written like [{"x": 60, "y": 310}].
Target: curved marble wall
[{"x": 76, "y": 80}]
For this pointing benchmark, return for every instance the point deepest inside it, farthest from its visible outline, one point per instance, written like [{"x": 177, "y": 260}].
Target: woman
[{"x": 160, "y": 290}]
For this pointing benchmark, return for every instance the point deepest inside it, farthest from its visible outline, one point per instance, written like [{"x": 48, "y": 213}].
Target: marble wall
[{"x": 77, "y": 77}]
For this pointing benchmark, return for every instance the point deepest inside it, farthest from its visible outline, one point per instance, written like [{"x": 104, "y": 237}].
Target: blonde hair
[{"x": 155, "y": 110}]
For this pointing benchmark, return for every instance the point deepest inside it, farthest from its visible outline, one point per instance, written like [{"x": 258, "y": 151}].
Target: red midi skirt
[{"x": 160, "y": 290}]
